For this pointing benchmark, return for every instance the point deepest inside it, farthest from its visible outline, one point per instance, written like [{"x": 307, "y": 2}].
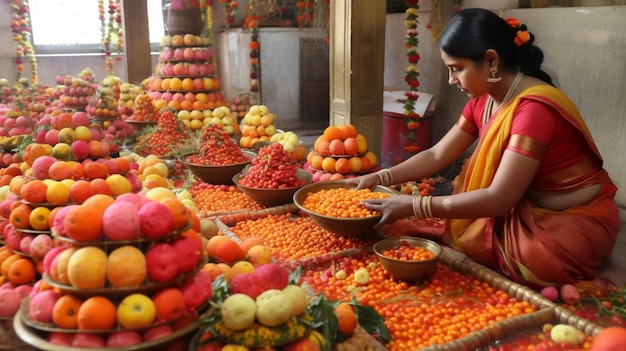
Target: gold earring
[{"x": 493, "y": 78}]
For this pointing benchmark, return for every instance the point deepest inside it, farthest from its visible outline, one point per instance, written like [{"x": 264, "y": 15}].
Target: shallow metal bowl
[
  {"x": 217, "y": 174},
  {"x": 272, "y": 197},
  {"x": 337, "y": 225},
  {"x": 408, "y": 269}
]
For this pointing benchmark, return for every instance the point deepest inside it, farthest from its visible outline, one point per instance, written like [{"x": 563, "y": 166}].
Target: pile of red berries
[{"x": 272, "y": 169}]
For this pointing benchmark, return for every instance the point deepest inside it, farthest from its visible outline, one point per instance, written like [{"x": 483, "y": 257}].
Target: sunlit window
[{"x": 74, "y": 26}]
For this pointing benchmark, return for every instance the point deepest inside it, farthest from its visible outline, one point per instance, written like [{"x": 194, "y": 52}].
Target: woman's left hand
[{"x": 393, "y": 207}]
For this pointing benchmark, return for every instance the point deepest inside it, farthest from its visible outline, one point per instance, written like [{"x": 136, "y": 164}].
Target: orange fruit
[
  {"x": 99, "y": 202},
  {"x": 20, "y": 216},
  {"x": 65, "y": 311},
  {"x": 7, "y": 262},
  {"x": 331, "y": 133},
  {"x": 57, "y": 193},
  {"x": 346, "y": 318},
  {"x": 328, "y": 164},
  {"x": 83, "y": 223},
  {"x": 612, "y": 338},
  {"x": 60, "y": 170},
  {"x": 97, "y": 313},
  {"x": 178, "y": 210},
  {"x": 95, "y": 170},
  {"x": 123, "y": 164},
  {"x": 126, "y": 266},
  {"x": 227, "y": 250},
  {"x": 34, "y": 191},
  {"x": 247, "y": 243},
  {"x": 169, "y": 304},
  {"x": 22, "y": 271},
  {"x": 38, "y": 218},
  {"x": 342, "y": 165},
  {"x": 348, "y": 131},
  {"x": 81, "y": 190},
  {"x": 101, "y": 186},
  {"x": 259, "y": 254},
  {"x": 16, "y": 184},
  {"x": 238, "y": 268},
  {"x": 212, "y": 269}
]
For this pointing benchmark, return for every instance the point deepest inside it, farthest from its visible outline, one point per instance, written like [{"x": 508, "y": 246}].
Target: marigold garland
[
  {"x": 230, "y": 11},
  {"x": 111, "y": 28},
  {"x": 22, "y": 33},
  {"x": 252, "y": 22},
  {"x": 304, "y": 13},
  {"x": 411, "y": 118}
]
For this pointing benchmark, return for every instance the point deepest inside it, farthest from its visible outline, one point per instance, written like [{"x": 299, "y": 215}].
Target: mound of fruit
[
  {"x": 76, "y": 91},
  {"x": 290, "y": 142},
  {"x": 168, "y": 135},
  {"x": 271, "y": 169},
  {"x": 104, "y": 103},
  {"x": 257, "y": 125},
  {"x": 340, "y": 152},
  {"x": 217, "y": 149}
]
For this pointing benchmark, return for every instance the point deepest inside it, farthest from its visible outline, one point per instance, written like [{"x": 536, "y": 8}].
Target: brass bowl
[
  {"x": 337, "y": 225},
  {"x": 217, "y": 174},
  {"x": 272, "y": 197},
  {"x": 408, "y": 269}
]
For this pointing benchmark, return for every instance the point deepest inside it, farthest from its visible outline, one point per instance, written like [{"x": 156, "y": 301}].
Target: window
[{"x": 73, "y": 26}]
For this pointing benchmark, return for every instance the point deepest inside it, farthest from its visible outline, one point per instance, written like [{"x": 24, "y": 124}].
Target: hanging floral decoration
[
  {"x": 304, "y": 13},
  {"x": 207, "y": 17},
  {"x": 435, "y": 23},
  {"x": 252, "y": 22},
  {"x": 22, "y": 34},
  {"x": 112, "y": 32},
  {"x": 411, "y": 118},
  {"x": 230, "y": 11}
]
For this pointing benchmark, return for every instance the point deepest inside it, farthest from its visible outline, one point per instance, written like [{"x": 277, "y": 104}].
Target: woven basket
[{"x": 184, "y": 22}]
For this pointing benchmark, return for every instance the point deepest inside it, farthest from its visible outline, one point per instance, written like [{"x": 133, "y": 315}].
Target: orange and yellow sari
[{"x": 533, "y": 245}]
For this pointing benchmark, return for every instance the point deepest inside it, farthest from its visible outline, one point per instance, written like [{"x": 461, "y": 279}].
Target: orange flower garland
[
  {"x": 230, "y": 11},
  {"x": 110, "y": 26},
  {"x": 252, "y": 22}
]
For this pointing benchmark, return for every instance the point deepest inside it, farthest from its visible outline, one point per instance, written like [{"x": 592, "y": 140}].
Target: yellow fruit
[{"x": 119, "y": 184}]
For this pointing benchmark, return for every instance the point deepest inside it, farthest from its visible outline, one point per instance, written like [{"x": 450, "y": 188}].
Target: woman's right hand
[{"x": 367, "y": 181}]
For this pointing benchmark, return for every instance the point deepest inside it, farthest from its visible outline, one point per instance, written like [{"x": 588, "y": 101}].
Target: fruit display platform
[{"x": 331, "y": 251}]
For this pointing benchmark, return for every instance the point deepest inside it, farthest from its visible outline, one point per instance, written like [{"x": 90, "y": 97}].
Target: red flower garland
[
  {"x": 412, "y": 73},
  {"x": 21, "y": 29}
]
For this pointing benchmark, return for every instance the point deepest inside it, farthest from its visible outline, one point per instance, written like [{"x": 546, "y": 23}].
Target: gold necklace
[{"x": 509, "y": 94}]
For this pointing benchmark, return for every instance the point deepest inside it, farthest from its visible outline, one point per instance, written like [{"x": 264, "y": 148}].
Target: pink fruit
[
  {"x": 41, "y": 305},
  {"x": 49, "y": 257},
  {"x": 551, "y": 293},
  {"x": 189, "y": 253},
  {"x": 12, "y": 237},
  {"x": 134, "y": 180},
  {"x": 137, "y": 200},
  {"x": 9, "y": 302},
  {"x": 80, "y": 149},
  {"x": 80, "y": 118},
  {"x": 120, "y": 221},
  {"x": 155, "y": 220},
  {"x": 40, "y": 137},
  {"x": 88, "y": 340},
  {"x": 24, "y": 290},
  {"x": 52, "y": 137},
  {"x": 59, "y": 219},
  {"x": 195, "y": 294},
  {"x": 123, "y": 338},
  {"x": 157, "y": 332},
  {"x": 162, "y": 262},
  {"x": 41, "y": 165},
  {"x": 569, "y": 294},
  {"x": 25, "y": 243},
  {"x": 61, "y": 339},
  {"x": 247, "y": 283},
  {"x": 273, "y": 275},
  {"x": 40, "y": 245}
]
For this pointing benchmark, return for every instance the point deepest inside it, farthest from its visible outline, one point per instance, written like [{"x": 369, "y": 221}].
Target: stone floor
[{"x": 615, "y": 270}]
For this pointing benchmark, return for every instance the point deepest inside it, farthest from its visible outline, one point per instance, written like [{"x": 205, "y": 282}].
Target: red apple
[
  {"x": 41, "y": 165},
  {"x": 123, "y": 338},
  {"x": 40, "y": 245},
  {"x": 61, "y": 339},
  {"x": 157, "y": 332},
  {"x": 87, "y": 340},
  {"x": 9, "y": 302},
  {"x": 189, "y": 253},
  {"x": 155, "y": 220},
  {"x": 195, "y": 294}
]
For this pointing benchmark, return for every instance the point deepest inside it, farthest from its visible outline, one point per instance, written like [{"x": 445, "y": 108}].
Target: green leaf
[
  {"x": 371, "y": 321},
  {"x": 325, "y": 320}
]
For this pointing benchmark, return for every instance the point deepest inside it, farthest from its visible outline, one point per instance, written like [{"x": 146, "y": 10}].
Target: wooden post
[
  {"x": 137, "y": 61},
  {"x": 357, "y": 44}
]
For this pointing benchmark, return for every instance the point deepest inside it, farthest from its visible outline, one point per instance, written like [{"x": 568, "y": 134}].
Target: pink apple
[
  {"x": 5, "y": 205},
  {"x": 87, "y": 340},
  {"x": 155, "y": 220},
  {"x": 40, "y": 137},
  {"x": 167, "y": 54},
  {"x": 273, "y": 275},
  {"x": 198, "y": 83},
  {"x": 136, "y": 199},
  {"x": 4, "y": 131},
  {"x": 168, "y": 69},
  {"x": 9, "y": 123},
  {"x": 58, "y": 223},
  {"x": 41, "y": 165},
  {"x": 123, "y": 338},
  {"x": 49, "y": 257},
  {"x": 12, "y": 237},
  {"x": 189, "y": 253},
  {"x": 40, "y": 245},
  {"x": 41, "y": 305},
  {"x": 24, "y": 290},
  {"x": 157, "y": 332},
  {"x": 194, "y": 70},
  {"x": 96, "y": 133},
  {"x": 162, "y": 262},
  {"x": 9, "y": 302},
  {"x": 61, "y": 339},
  {"x": 189, "y": 54},
  {"x": 134, "y": 180},
  {"x": 247, "y": 283},
  {"x": 22, "y": 121},
  {"x": 120, "y": 221},
  {"x": 179, "y": 54},
  {"x": 25, "y": 243},
  {"x": 52, "y": 137}
]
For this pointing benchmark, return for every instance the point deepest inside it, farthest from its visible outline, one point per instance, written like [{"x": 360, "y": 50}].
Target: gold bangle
[
  {"x": 427, "y": 208},
  {"x": 417, "y": 210},
  {"x": 385, "y": 177}
]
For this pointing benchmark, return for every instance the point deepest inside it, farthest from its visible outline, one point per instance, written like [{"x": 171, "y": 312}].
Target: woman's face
[{"x": 470, "y": 78}]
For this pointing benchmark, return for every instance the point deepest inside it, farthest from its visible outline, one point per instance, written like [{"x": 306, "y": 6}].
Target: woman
[{"x": 533, "y": 200}]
